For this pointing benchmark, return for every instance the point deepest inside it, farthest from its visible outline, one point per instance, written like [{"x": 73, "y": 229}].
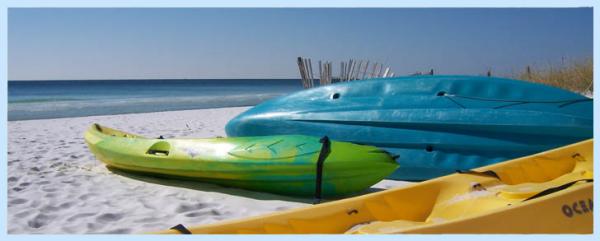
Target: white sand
[{"x": 55, "y": 185}]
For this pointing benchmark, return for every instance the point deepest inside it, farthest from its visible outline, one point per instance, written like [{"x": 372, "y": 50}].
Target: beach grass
[{"x": 575, "y": 75}]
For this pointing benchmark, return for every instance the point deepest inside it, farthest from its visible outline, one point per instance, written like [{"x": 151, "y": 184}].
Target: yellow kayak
[{"x": 549, "y": 192}]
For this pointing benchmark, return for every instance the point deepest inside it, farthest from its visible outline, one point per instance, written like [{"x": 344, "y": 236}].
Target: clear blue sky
[{"x": 264, "y": 43}]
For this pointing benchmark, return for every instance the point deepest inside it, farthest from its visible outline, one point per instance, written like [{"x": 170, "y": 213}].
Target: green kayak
[{"x": 285, "y": 164}]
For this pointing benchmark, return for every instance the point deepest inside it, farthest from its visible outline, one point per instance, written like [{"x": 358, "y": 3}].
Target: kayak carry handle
[
  {"x": 160, "y": 148},
  {"x": 325, "y": 150}
]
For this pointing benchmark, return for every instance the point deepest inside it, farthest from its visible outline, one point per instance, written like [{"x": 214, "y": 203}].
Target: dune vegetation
[{"x": 576, "y": 75}]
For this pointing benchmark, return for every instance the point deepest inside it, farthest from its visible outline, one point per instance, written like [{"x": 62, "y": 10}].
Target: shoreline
[
  {"x": 56, "y": 186},
  {"x": 131, "y": 113}
]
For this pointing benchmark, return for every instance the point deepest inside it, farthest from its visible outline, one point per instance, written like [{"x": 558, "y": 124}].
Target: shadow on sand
[{"x": 209, "y": 187}]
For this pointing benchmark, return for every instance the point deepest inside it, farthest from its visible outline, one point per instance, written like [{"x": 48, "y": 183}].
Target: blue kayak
[{"x": 436, "y": 124}]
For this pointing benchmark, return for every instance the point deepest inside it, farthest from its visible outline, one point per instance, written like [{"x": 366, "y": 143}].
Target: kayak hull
[
  {"x": 437, "y": 124},
  {"x": 277, "y": 164},
  {"x": 549, "y": 192}
]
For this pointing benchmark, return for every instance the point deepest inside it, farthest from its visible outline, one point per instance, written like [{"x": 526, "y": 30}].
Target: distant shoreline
[
  {"x": 129, "y": 113},
  {"x": 137, "y": 79}
]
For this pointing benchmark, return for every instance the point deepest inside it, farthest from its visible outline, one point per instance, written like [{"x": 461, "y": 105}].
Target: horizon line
[{"x": 31, "y": 80}]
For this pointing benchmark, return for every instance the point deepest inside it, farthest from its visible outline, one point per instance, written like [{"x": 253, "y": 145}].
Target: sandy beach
[{"x": 56, "y": 186}]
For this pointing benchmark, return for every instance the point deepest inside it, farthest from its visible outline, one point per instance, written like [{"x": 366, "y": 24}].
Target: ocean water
[{"x": 55, "y": 99}]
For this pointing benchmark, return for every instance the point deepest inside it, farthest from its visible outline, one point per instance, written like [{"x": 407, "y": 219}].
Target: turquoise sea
[{"x": 55, "y": 99}]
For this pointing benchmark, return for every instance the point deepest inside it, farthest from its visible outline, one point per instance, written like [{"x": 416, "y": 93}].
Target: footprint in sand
[
  {"x": 59, "y": 174},
  {"x": 51, "y": 195},
  {"x": 56, "y": 164},
  {"x": 17, "y": 201},
  {"x": 146, "y": 220},
  {"x": 23, "y": 214},
  {"x": 215, "y": 212},
  {"x": 68, "y": 181},
  {"x": 49, "y": 189},
  {"x": 182, "y": 208},
  {"x": 119, "y": 231},
  {"x": 66, "y": 205},
  {"x": 94, "y": 226},
  {"x": 154, "y": 226},
  {"x": 79, "y": 215},
  {"x": 109, "y": 217},
  {"x": 212, "y": 212},
  {"x": 40, "y": 220},
  {"x": 196, "y": 214},
  {"x": 86, "y": 196},
  {"x": 49, "y": 208}
]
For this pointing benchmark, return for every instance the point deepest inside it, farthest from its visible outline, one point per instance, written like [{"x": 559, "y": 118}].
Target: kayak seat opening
[
  {"x": 575, "y": 170},
  {"x": 335, "y": 96},
  {"x": 395, "y": 212},
  {"x": 542, "y": 169},
  {"x": 160, "y": 148},
  {"x": 397, "y": 206}
]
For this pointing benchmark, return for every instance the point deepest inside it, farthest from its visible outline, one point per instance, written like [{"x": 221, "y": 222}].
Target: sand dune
[{"x": 55, "y": 185}]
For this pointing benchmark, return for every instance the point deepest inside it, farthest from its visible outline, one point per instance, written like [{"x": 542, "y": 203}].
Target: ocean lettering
[{"x": 578, "y": 207}]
